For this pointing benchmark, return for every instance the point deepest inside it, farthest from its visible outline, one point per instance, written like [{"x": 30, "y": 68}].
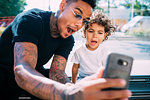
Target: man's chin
[{"x": 65, "y": 35}]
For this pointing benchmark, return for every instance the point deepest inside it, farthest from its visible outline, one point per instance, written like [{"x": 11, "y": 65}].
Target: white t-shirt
[{"x": 90, "y": 61}]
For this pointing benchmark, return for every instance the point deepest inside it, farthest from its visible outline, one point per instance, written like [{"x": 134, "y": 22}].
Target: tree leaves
[{"x": 11, "y": 7}]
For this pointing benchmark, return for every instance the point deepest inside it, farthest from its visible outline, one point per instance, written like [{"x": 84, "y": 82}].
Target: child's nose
[{"x": 95, "y": 35}]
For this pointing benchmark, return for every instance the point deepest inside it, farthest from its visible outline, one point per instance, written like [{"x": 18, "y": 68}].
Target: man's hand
[{"x": 90, "y": 88}]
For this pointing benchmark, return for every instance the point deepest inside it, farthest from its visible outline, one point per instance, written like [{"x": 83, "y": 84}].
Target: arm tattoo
[
  {"x": 25, "y": 55},
  {"x": 57, "y": 70},
  {"x": 37, "y": 88},
  {"x": 25, "y": 52}
]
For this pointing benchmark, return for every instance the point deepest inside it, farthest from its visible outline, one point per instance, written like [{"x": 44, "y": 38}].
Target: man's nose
[{"x": 79, "y": 23}]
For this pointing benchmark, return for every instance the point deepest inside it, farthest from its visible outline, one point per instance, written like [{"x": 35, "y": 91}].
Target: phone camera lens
[{"x": 122, "y": 63}]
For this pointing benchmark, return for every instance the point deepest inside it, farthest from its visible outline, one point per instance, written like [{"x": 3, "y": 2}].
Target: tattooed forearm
[
  {"x": 37, "y": 88},
  {"x": 59, "y": 76},
  {"x": 57, "y": 70},
  {"x": 25, "y": 55}
]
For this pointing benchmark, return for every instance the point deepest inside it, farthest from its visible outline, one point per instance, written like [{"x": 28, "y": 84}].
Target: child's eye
[
  {"x": 100, "y": 33},
  {"x": 90, "y": 31}
]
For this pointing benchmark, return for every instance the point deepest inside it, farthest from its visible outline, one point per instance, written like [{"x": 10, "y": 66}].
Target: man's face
[{"x": 72, "y": 17}]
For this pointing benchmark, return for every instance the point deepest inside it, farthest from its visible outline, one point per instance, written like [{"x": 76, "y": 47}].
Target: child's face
[{"x": 95, "y": 34}]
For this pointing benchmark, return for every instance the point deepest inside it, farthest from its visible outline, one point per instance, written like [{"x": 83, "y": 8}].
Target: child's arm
[{"x": 75, "y": 72}]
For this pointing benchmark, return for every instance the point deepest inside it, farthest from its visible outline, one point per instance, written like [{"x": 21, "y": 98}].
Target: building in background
[{"x": 122, "y": 11}]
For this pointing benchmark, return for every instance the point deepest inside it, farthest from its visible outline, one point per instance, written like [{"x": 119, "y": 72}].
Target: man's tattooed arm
[
  {"x": 25, "y": 59},
  {"x": 57, "y": 70}
]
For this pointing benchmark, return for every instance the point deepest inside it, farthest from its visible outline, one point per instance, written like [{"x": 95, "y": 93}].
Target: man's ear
[{"x": 62, "y": 5}]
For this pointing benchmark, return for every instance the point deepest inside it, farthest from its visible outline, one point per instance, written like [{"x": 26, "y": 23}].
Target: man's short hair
[{"x": 92, "y": 3}]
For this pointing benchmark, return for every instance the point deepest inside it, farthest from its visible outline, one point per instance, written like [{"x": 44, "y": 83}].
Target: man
[{"x": 31, "y": 40}]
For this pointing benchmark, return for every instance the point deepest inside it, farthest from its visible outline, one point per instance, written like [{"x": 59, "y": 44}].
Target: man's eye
[
  {"x": 78, "y": 16},
  {"x": 86, "y": 22}
]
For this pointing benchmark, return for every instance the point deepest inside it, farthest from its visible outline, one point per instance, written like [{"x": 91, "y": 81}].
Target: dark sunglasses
[{"x": 79, "y": 17}]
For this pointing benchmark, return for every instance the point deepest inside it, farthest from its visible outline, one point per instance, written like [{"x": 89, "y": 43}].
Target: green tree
[
  {"x": 11, "y": 7},
  {"x": 141, "y": 7}
]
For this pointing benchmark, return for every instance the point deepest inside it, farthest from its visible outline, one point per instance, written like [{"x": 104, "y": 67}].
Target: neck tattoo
[{"x": 53, "y": 26}]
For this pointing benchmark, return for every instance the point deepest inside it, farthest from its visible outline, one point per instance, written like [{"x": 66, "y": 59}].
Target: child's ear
[
  {"x": 62, "y": 5},
  {"x": 105, "y": 35},
  {"x": 84, "y": 35}
]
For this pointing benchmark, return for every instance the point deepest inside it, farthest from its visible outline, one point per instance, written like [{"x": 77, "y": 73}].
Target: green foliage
[
  {"x": 138, "y": 6},
  {"x": 11, "y": 7},
  {"x": 128, "y": 5}
]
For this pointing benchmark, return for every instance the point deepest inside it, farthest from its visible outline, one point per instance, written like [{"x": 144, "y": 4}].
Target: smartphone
[{"x": 118, "y": 66}]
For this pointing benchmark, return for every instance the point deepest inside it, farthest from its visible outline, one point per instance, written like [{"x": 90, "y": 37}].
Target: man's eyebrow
[
  {"x": 82, "y": 13},
  {"x": 79, "y": 10}
]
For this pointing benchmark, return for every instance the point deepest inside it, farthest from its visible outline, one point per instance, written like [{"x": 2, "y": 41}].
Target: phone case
[{"x": 118, "y": 66}]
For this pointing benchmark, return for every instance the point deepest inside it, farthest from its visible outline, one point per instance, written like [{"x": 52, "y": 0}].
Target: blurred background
[
  {"x": 125, "y": 14},
  {"x": 130, "y": 17}
]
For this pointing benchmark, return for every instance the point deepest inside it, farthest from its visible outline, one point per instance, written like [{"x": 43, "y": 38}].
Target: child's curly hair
[{"x": 101, "y": 19}]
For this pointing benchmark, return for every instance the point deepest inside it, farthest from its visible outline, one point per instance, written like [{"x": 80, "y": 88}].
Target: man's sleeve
[
  {"x": 65, "y": 48},
  {"x": 27, "y": 29}
]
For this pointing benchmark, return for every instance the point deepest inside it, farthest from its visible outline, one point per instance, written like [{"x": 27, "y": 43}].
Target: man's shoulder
[
  {"x": 30, "y": 17},
  {"x": 34, "y": 13}
]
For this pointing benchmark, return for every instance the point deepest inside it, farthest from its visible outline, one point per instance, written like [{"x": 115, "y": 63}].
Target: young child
[{"x": 89, "y": 57}]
